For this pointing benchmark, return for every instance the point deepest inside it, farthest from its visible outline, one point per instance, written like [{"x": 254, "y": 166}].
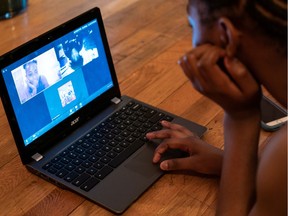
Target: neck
[{"x": 268, "y": 66}]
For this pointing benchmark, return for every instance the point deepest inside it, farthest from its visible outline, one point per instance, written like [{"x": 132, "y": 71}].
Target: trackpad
[{"x": 142, "y": 163}]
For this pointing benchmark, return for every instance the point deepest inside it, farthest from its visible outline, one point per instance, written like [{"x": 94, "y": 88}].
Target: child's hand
[
  {"x": 203, "y": 158},
  {"x": 237, "y": 92}
]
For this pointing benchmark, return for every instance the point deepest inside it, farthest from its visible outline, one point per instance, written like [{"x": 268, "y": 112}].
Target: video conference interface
[{"x": 55, "y": 81}]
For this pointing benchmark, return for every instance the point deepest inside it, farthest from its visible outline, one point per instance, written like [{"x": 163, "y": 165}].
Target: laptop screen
[{"x": 53, "y": 82}]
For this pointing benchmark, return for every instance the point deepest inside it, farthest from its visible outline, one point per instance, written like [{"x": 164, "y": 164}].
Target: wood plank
[{"x": 148, "y": 42}]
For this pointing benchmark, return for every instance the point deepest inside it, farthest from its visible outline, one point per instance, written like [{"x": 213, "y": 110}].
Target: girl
[{"x": 239, "y": 45}]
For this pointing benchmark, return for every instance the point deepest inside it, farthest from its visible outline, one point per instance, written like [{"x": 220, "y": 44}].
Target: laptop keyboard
[{"x": 94, "y": 156}]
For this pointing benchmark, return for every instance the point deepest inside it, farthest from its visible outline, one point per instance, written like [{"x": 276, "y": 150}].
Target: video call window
[{"x": 43, "y": 71}]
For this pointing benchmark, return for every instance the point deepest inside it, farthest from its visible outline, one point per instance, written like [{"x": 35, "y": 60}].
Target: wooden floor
[{"x": 146, "y": 40}]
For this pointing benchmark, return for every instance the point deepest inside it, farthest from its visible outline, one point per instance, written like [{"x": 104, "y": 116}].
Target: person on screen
[
  {"x": 80, "y": 51},
  {"x": 89, "y": 50},
  {"x": 35, "y": 82},
  {"x": 72, "y": 51},
  {"x": 239, "y": 45}
]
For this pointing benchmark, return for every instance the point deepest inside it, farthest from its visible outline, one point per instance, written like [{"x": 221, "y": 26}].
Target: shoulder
[
  {"x": 43, "y": 80},
  {"x": 272, "y": 176}
]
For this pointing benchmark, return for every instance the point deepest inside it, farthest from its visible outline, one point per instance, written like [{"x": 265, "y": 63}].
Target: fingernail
[
  {"x": 235, "y": 65},
  {"x": 164, "y": 165},
  {"x": 238, "y": 67},
  {"x": 149, "y": 135},
  {"x": 163, "y": 122}
]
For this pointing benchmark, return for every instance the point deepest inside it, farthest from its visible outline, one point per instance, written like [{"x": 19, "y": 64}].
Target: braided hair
[
  {"x": 272, "y": 18},
  {"x": 269, "y": 16}
]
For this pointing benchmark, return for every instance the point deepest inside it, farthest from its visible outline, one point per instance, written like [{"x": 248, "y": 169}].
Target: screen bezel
[{"x": 87, "y": 112}]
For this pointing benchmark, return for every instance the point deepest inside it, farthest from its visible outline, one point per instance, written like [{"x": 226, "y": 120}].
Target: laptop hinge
[
  {"x": 37, "y": 157},
  {"x": 116, "y": 100}
]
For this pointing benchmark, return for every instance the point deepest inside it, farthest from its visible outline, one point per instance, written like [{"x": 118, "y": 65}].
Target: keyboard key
[
  {"x": 116, "y": 131},
  {"x": 77, "y": 162},
  {"x": 86, "y": 145},
  {"x": 97, "y": 146},
  {"x": 62, "y": 173},
  {"x": 168, "y": 118},
  {"x": 150, "y": 113},
  {"x": 131, "y": 139},
  {"x": 80, "y": 169},
  {"x": 136, "y": 107},
  {"x": 70, "y": 167},
  {"x": 92, "y": 170},
  {"x": 105, "y": 159},
  {"x": 47, "y": 165},
  {"x": 98, "y": 135},
  {"x": 93, "y": 159},
  {"x": 112, "y": 143},
  {"x": 110, "y": 136},
  {"x": 81, "y": 179},
  {"x": 52, "y": 170},
  {"x": 156, "y": 118},
  {"x": 56, "y": 159},
  {"x": 72, "y": 147},
  {"x": 89, "y": 184},
  {"x": 103, "y": 172},
  {"x": 66, "y": 160},
  {"x": 118, "y": 149},
  {"x": 107, "y": 148},
  {"x": 130, "y": 103},
  {"x": 58, "y": 166},
  {"x": 147, "y": 125},
  {"x": 90, "y": 151},
  {"x": 72, "y": 155},
  {"x": 79, "y": 150},
  {"x": 98, "y": 165},
  {"x": 119, "y": 138},
  {"x": 87, "y": 164},
  {"x": 125, "y": 144},
  {"x": 131, "y": 128},
  {"x": 84, "y": 156},
  {"x": 112, "y": 154},
  {"x": 71, "y": 176},
  {"x": 104, "y": 141},
  {"x": 136, "y": 134},
  {"x": 100, "y": 153}
]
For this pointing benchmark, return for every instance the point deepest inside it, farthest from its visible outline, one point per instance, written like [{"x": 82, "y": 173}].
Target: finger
[
  {"x": 204, "y": 66},
  {"x": 189, "y": 67},
  {"x": 211, "y": 57},
  {"x": 177, "y": 164},
  {"x": 177, "y": 127},
  {"x": 162, "y": 148},
  {"x": 173, "y": 143},
  {"x": 241, "y": 75},
  {"x": 165, "y": 134},
  {"x": 209, "y": 68},
  {"x": 161, "y": 134}
]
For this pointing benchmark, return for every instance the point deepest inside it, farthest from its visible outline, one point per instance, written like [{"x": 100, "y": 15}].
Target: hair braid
[
  {"x": 269, "y": 16},
  {"x": 272, "y": 17}
]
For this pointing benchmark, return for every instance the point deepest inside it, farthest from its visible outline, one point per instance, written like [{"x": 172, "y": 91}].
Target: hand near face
[
  {"x": 235, "y": 90},
  {"x": 32, "y": 87},
  {"x": 203, "y": 158}
]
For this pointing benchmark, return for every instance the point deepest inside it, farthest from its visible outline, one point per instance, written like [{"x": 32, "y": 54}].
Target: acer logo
[{"x": 75, "y": 121}]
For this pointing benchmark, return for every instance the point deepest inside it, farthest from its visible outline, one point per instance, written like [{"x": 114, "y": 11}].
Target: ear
[{"x": 230, "y": 36}]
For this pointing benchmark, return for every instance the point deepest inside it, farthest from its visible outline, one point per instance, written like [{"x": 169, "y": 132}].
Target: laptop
[{"x": 69, "y": 121}]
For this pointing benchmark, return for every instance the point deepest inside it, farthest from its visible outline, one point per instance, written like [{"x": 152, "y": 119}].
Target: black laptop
[{"x": 70, "y": 123}]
